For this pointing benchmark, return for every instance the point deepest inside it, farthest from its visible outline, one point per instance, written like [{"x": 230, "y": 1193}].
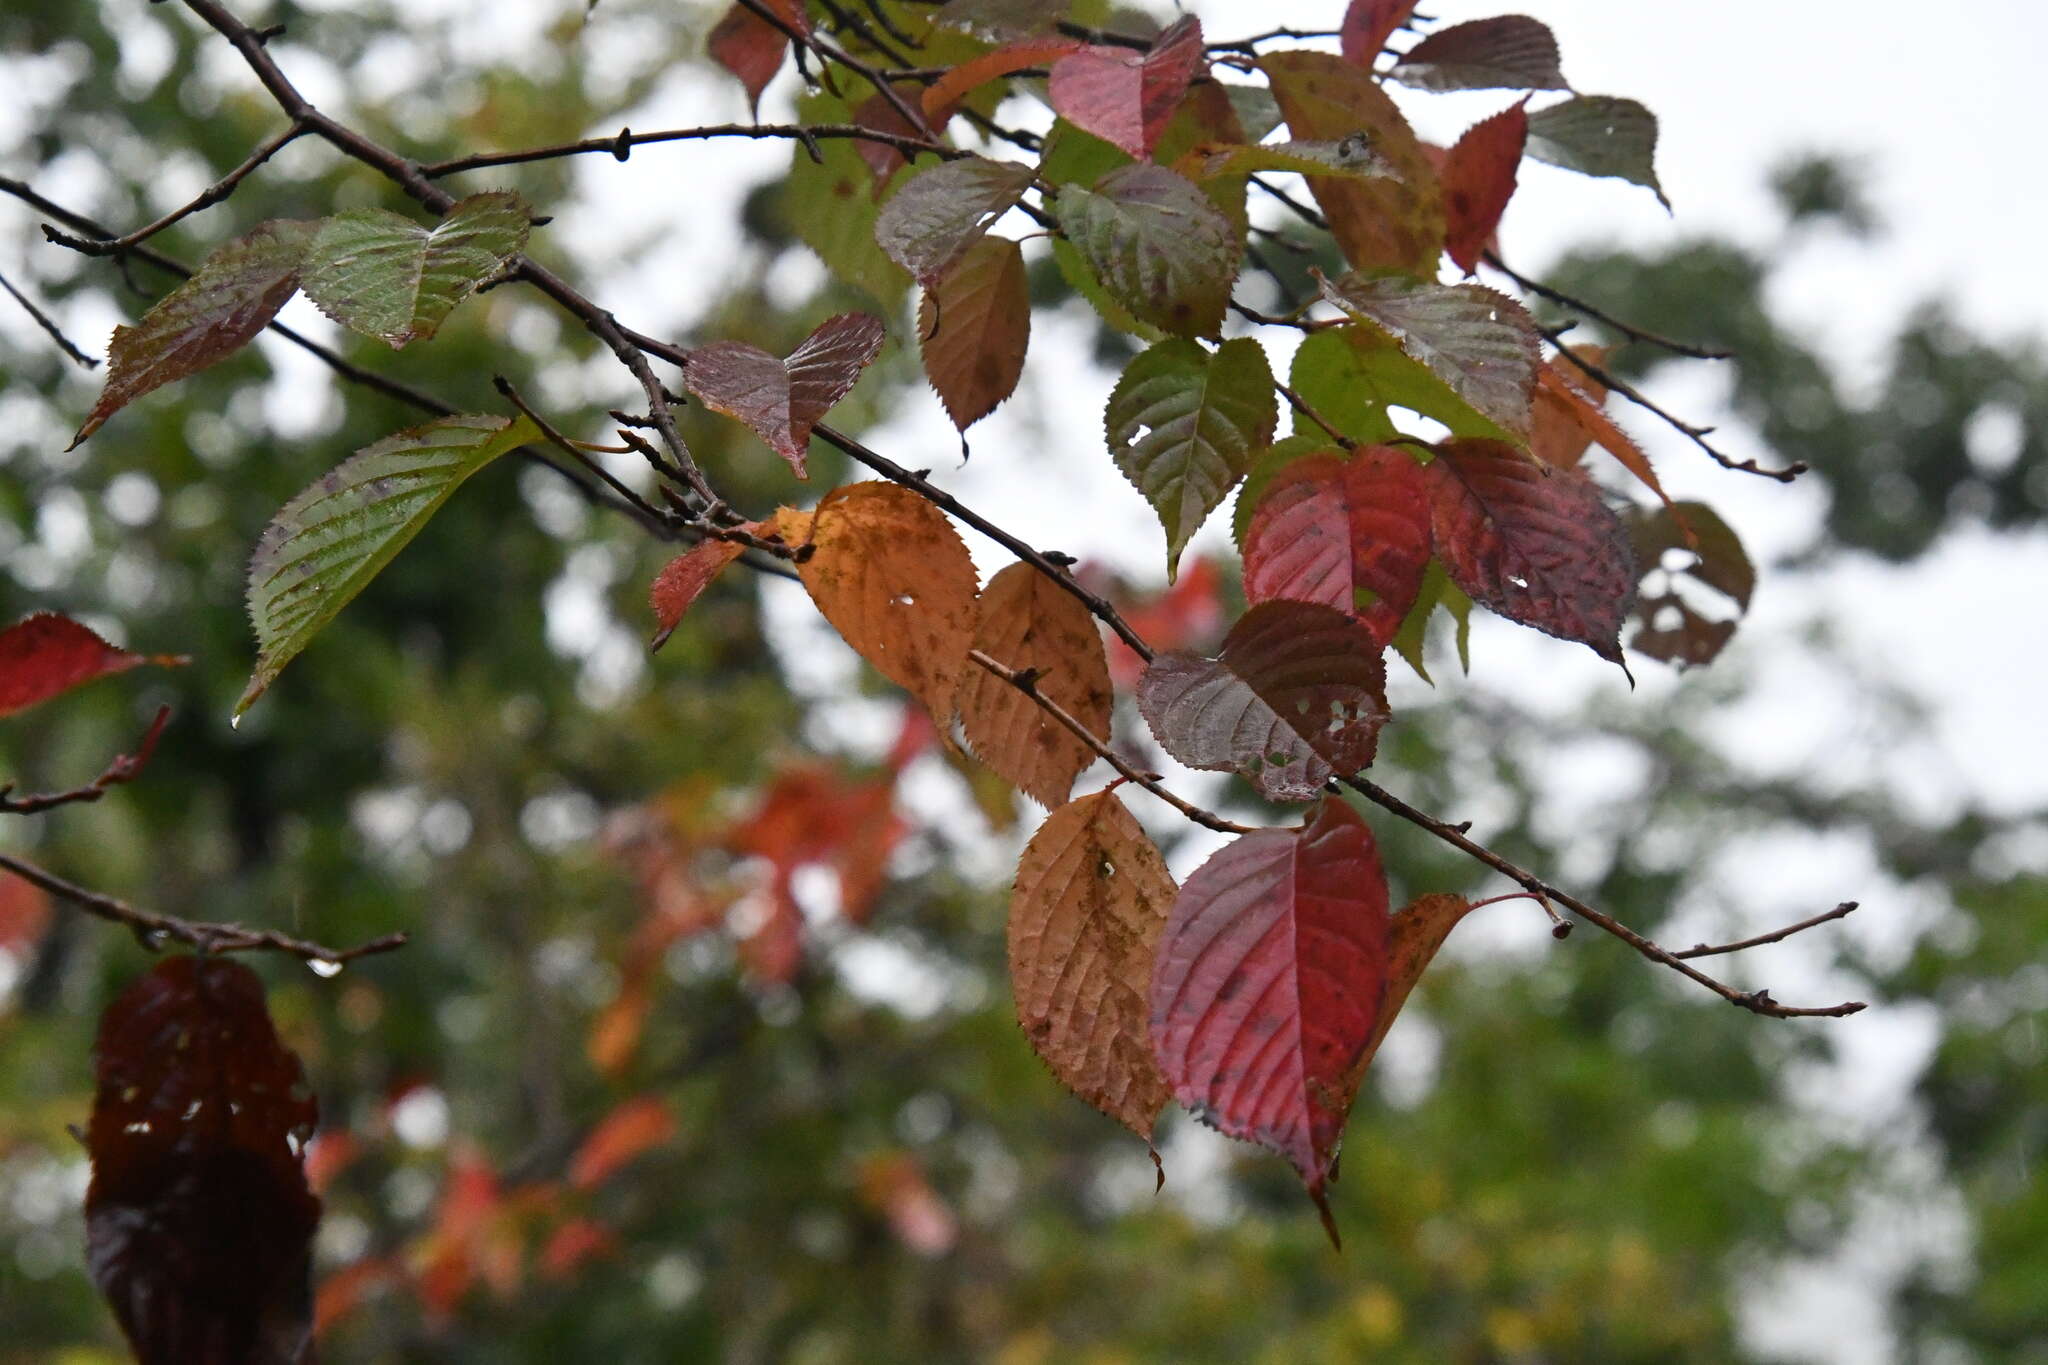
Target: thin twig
[
  {"x": 43, "y": 321},
  {"x": 568, "y": 447},
  {"x": 211, "y": 195},
  {"x": 1627, "y": 329},
  {"x": 1758, "y": 1002},
  {"x": 1697, "y": 435},
  {"x": 122, "y": 769},
  {"x": 1306, "y": 409},
  {"x": 1775, "y": 936},
  {"x": 1026, "y": 681},
  {"x": 154, "y": 931},
  {"x": 621, "y": 144}
]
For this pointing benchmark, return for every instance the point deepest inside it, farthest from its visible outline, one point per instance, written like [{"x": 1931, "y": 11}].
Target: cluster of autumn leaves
[{"x": 1255, "y": 993}]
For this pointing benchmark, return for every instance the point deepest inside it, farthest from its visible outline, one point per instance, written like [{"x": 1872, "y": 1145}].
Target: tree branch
[
  {"x": 121, "y": 769},
  {"x": 1697, "y": 435},
  {"x": 1775, "y": 936},
  {"x": 211, "y": 195},
  {"x": 43, "y": 321},
  {"x": 1578, "y": 305},
  {"x": 154, "y": 931},
  {"x": 1026, "y": 681},
  {"x": 622, "y": 143}
]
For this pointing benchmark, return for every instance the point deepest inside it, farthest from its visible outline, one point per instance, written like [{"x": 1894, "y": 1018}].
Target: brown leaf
[
  {"x": 751, "y": 48},
  {"x": 1535, "y": 544},
  {"x": 1090, "y": 901},
  {"x": 973, "y": 328},
  {"x": 1509, "y": 51},
  {"x": 1269, "y": 984},
  {"x": 1672, "y": 626},
  {"x": 889, "y": 572},
  {"x": 1478, "y": 180},
  {"x": 1029, "y": 622},
  {"x": 1297, "y": 696},
  {"x": 231, "y": 297},
  {"x": 1413, "y": 936},
  {"x": 1394, "y": 221},
  {"x": 782, "y": 400},
  {"x": 199, "y": 1222},
  {"x": 46, "y": 654}
]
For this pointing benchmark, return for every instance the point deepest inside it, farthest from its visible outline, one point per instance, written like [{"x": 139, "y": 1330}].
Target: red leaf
[
  {"x": 1327, "y": 529},
  {"x": 751, "y": 48},
  {"x": 683, "y": 578},
  {"x": 880, "y": 113},
  {"x": 1367, "y": 26},
  {"x": 48, "y": 654},
  {"x": 637, "y": 1126},
  {"x": 783, "y": 399},
  {"x": 1535, "y": 544},
  {"x": 199, "y": 1222},
  {"x": 1297, "y": 696},
  {"x": 572, "y": 1245},
  {"x": 1124, "y": 97},
  {"x": 1478, "y": 180},
  {"x": 24, "y": 913},
  {"x": 1269, "y": 984}
]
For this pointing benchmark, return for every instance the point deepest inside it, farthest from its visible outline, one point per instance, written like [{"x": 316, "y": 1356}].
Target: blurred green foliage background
[{"x": 1573, "y": 1160}]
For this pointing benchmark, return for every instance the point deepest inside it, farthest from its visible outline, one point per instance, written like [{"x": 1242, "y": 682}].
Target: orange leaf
[
  {"x": 1030, "y": 622},
  {"x": 1591, "y": 419},
  {"x": 947, "y": 90},
  {"x": 888, "y": 570},
  {"x": 1091, "y": 899},
  {"x": 637, "y": 1126}
]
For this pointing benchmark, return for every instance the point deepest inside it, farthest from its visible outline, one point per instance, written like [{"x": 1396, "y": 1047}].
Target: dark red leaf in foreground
[
  {"x": 199, "y": 1223},
  {"x": 1535, "y": 544},
  {"x": 783, "y": 399},
  {"x": 1124, "y": 97},
  {"x": 1297, "y": 696},
  {"x": 1327, "y": 528},
  {"x": 1367, "y": 26},
  {"x": 1511, "y": 51},
  {"x": 1478, "y": 179},
  {"x": 48, "y": 654},
  {"x": 1269, "y": 983}
]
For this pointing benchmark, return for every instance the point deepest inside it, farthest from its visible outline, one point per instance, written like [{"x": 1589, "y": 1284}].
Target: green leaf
[
  {"x": 1599, "y": 135},
  {"x": 832, "y": 206},
  {"x": 325, "y": 545},
  {"x": 1185, "y": 424},
  {"x": 388, "y": 277},
  {"x": 1329, "y": 374},
  {"x": 233, "y": 296},
  {"x": 1482, "y": 344},
  {"x": 1157, "y": 244},
  {"x": 1438, "y": 592},
  {"x": 943, "y": 210}
]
